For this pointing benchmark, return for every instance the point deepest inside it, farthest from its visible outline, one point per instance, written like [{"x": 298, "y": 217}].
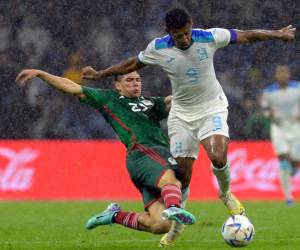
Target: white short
[
  {"x": 185, "y": 137},
  {"x": 286, "y": 140}
]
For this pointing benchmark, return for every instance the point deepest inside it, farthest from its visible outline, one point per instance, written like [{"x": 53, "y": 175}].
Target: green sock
[{"x": 223, "y": 178}]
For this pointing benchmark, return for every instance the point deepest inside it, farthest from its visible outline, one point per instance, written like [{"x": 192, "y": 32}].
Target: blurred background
[{"x": 63, "y": 36}]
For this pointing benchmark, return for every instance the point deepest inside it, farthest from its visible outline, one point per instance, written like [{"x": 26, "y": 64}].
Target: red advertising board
[{"x": 56, "y": 170}]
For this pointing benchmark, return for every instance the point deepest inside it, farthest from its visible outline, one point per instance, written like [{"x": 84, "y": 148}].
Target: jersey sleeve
[
  {"x": 149, "y": 55},
  {"x": 94, "y": 97},
  {"x": 223, "y": 37},
  {"x": 160, "y": 107}
]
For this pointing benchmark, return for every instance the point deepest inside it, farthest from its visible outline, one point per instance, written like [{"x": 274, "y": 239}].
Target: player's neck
[
  {"x": 283, "y": 85},
  {"x": 186, "y": 47}
]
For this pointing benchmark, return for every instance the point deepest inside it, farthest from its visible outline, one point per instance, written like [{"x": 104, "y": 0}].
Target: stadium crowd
[{"x": 63, "y": 36}]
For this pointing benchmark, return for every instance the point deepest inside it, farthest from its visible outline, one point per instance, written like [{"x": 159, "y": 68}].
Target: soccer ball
[{"x": 238, "y": 231}]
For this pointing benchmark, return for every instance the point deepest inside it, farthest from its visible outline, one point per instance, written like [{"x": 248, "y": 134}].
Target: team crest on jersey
[
  {"x": 171, "y": 59},
  {"x": 202, "y": 54}
]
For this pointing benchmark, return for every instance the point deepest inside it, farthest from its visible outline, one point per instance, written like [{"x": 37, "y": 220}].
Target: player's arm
[
  {"x": 286, "y": 34},
  {"x": 63, "y": 84},
  {"x": 168, "y": 102},
  {"x": 124, "y": 67}
]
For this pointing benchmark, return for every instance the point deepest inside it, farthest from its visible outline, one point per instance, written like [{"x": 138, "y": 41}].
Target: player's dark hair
[
  {"x": 177, "y": 18},
  {"x": 118, "y": 77}
]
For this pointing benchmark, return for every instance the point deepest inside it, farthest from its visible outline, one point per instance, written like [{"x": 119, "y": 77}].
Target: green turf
[{"x": 60, "y": 225}]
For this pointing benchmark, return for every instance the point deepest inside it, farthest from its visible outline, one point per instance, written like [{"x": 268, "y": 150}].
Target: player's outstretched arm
[
  {"x": 286, "y": 34},
  {"x": 124, "y": 67},
  {"x": 60, "y": 83}
]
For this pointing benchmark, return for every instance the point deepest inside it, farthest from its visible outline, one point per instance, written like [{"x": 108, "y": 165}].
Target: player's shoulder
[
  {"x": 273, "y": 87},
  {"x": 164, "y": 42},
  {"x": 203, "y": 35}
]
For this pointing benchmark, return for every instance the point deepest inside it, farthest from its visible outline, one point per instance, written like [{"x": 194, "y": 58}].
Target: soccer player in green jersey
[
  {"x": 199, "y": 105},
  {"x": 150, "y": 165}
]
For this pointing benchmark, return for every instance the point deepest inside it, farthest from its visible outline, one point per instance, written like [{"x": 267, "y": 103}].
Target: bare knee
[
  {"x": 169, "y": 178},
  {"x": 218, "y": 159},
  {"x": 160, "y": 227},
  {"x": 216, "y": 148}
]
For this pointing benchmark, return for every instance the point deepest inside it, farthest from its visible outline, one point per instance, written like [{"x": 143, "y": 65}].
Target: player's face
[
  {"x": 182, "y": 37},
  {"x": 282, "y": 74},
  {"x": 130, "y": 85}
]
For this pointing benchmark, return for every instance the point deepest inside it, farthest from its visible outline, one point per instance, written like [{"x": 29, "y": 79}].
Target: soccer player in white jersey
[
  {"x": 281, "y": 102},
  {"x": 199, "y": 105}
]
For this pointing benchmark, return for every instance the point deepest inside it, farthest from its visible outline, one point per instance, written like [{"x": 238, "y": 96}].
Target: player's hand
[
  {"x": 89, "y": 73},
  {"x": 288, "y": 33},
  {"x": 26, "y": 75}
]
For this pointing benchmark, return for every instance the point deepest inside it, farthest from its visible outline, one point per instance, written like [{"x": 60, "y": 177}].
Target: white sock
[
  {"x": 176, "y": 227},
  {"x": 223, "y": 178},
  {"x": 285, "y": 179}
]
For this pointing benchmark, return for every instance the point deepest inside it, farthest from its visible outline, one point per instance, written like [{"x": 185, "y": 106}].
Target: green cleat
[
  {"x": 104, "y": 218},
  {"x": 178, "y": 214}
]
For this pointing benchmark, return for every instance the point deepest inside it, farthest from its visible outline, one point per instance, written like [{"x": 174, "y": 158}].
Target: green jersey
[{"x": 135, "y": 120}]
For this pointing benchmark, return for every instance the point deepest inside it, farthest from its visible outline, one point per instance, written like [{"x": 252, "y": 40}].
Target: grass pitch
[{"x": 60, "y": 225}]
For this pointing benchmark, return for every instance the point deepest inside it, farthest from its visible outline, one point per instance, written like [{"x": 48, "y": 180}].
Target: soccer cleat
[
  {"x": 104, "y": 218},
  {"x": 178, "y": 214},
  {"x": 233, "y": 204},
  {"x": 165, "y": 242}
]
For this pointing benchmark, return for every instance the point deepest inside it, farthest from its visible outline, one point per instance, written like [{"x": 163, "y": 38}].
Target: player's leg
[
  {"x": 215, "y": 143},
  {"x": 172, "y": 197},
  {"x": 216, "y": 149},
  {"x": 282, "y": 147},
  {"x": 149, "y": 221},
  {"x": 184, "y": 148},
  {"x": 295, "y": 153},
  {"x": 285, "y": 176},
  {"x": 176, "y": 228},
  {"x": 153, "y": 168}
]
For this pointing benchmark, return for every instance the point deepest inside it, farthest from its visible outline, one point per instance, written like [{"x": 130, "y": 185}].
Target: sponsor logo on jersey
[{"x": 170, "y": 59}]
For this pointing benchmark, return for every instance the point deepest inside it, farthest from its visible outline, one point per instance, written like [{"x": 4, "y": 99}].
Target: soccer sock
[
  {"x": 176, "y": 227},
  {"x": 127, "y": 219},
  {"x": 185, "y": 195},
  {"x": 171, "y": 195},
  {"x": 285, "y": 177},
  {"x": 223, "y": 178}
]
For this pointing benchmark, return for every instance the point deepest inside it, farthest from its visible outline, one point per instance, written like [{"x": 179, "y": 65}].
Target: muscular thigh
[
  {"x": 146, "y": 165},
  {"x": 279, "y": 140},
  {"x": 214, "y": 124}
]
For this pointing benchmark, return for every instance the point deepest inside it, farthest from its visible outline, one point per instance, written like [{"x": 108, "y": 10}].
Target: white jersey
[
  {"x": 195, "y": 89},
  {"x": 284, "y": 103}
]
